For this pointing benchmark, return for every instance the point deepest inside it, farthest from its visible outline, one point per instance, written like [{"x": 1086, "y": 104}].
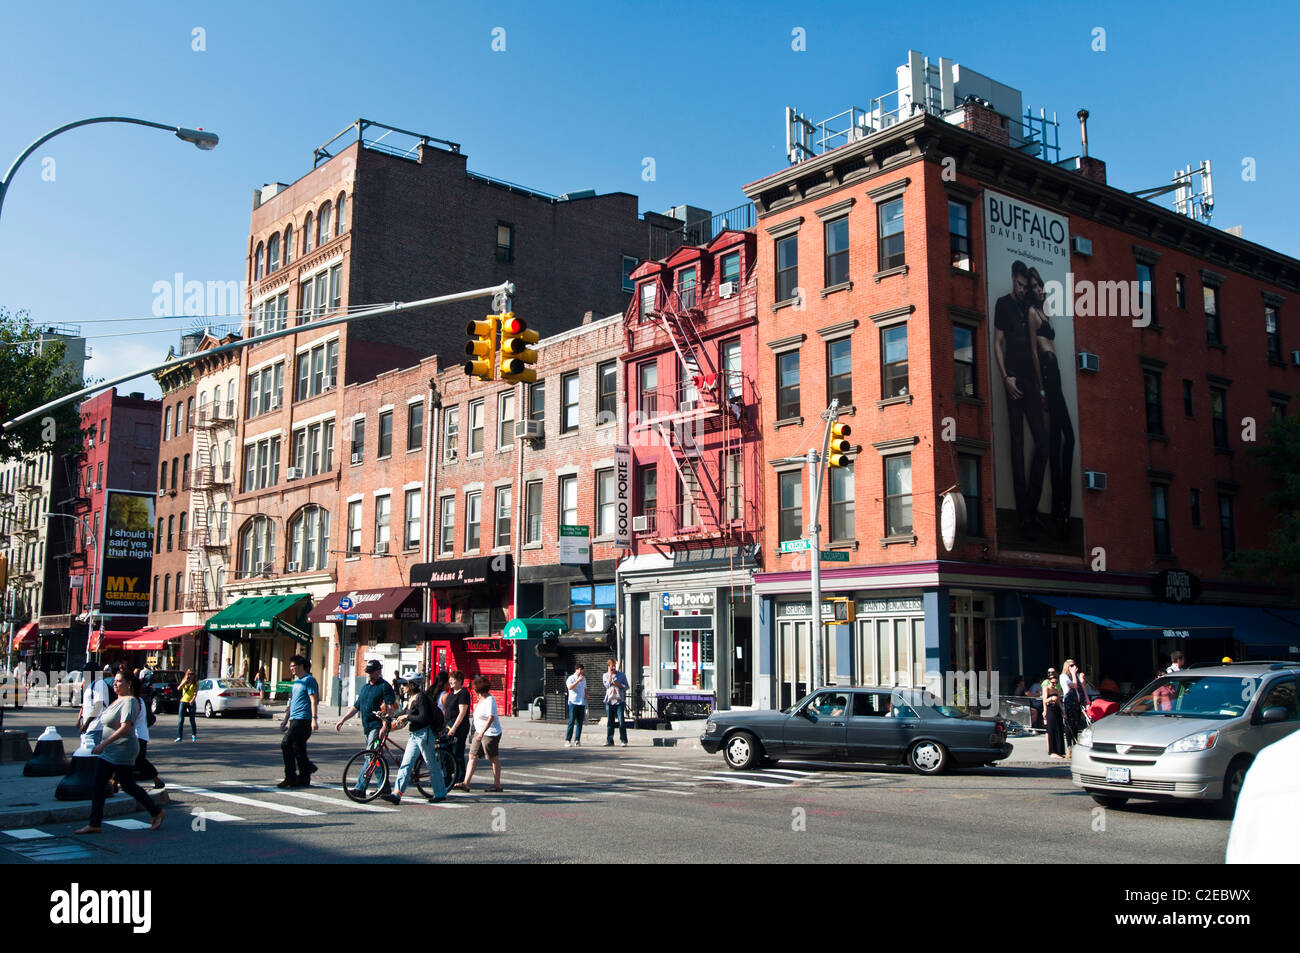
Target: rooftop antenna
[{"x": 1193, "y": 192}]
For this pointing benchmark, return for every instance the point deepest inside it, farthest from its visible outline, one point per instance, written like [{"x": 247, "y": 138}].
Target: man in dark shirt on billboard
[{"x": 1018, "y": 363}]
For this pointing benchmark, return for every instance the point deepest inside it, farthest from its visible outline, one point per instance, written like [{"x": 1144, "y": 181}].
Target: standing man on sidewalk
[
  {"x": 298, "y": 723},
  {"x": 455, "y": 715},
  {"x": 577, "y": 686},
  {"x": 615, "y": 703}
]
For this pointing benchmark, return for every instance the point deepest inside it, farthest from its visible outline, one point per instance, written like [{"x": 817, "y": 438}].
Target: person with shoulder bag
[{"x": 425, "y": 721}]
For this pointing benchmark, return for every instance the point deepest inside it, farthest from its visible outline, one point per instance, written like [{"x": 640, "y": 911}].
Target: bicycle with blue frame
[{"x": 369, "y": 772}]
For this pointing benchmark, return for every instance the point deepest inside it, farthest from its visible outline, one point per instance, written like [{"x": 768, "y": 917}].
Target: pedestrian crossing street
[{"x": 234, "y": 801}]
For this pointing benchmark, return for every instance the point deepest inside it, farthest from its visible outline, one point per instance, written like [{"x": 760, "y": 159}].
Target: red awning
[
  {"x": 370, "y": 604},
  {"x": 113, "y": 639},
  {"x": 24, "y": 635},
  {"x": 154, "y": 639}
]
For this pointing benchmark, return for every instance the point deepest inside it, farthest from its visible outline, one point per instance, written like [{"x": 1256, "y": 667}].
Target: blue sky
[{"x": 580, "y": 96}]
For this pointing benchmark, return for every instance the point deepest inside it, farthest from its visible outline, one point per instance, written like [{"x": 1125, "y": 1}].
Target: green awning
[
  {"x": 532, "y": 628},
  {"x": 261, "y": 613}
]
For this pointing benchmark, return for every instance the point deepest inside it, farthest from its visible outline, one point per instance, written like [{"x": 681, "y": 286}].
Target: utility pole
[{"x": 816, "y": 473}]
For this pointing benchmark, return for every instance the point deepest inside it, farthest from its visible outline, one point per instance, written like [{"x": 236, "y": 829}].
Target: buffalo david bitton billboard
[{"x": 127, "y": 549}]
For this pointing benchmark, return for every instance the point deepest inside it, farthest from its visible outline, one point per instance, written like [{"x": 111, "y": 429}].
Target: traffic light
[
  {"x": 482, "y": 348},
  {"x": 839, "y": 445},
  {"x": 842, "y": 610},
  {"x": 516, "y": 354}
]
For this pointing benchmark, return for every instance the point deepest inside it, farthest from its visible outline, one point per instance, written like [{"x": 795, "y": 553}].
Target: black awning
[
  {"x": 453, "y": 573},
  {"x": 447, "y": 630}
]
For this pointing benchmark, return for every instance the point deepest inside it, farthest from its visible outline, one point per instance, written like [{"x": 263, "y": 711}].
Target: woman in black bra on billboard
[{"x": 1060, "y": 429}]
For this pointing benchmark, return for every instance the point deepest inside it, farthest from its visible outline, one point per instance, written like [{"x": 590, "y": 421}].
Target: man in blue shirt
[
  {"x": 377, "y": 695},
  {"x": 298, "y": 723}
]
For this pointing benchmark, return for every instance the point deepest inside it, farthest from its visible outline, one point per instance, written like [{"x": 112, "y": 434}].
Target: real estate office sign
[{"x": 126, "y": 559}]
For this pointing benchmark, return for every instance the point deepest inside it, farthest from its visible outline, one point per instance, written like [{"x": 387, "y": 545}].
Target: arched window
[
  {"x": 178, "y": 591},
  {"x": 162, "y": 479},
  {"x": 171, "y": 528},
  {"x": 309, "y": 539},
  {"x": 306, "y": 234},
  {"x": 186, "y": 478},
  {"x": 221, "y": 584},
  {"x": 323, "y": 223},
  {"x": 257, "y": 547},
  {"x": 273, "y": 253},
  {"x": 288, "y": 243},
  {"x": 341, "y": 218},
  {"x": 157, "y": 540},
  {"x": 155, "y": 593},
  {"x": 184, "y": 539},
  {"x": 167, "y": 586},
  {"x": 167, "y": 427},
  {"x": 257, "y": 263},
  {"x": 223, "y": 527}
]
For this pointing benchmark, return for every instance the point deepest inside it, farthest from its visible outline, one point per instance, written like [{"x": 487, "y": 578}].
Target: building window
[
  {"x": 898, "y": 495},
  {"x": 648, "y": 389},
  {"x": 893, "y": 356},
  {"x": 569, "y": 393},
  {"x": 1180, "y": 291},
  {"x": 415, "y": 425},
  {"x": 1213, "y": 333},
  {"x": 569, "y": 500},
  {"x": 537, "y": 402},
  {"x": 959, "y": 234},
  {"x": 354, "y": 527},
  {"x": 648, "y": 490},
  {"x": 257, "y": 263},
  {"x": 787, "y": 267},
  {"x": 505, "y": 241},
  {"x": 1146, "y": 294},
  {"x": 475, "y": 427},
  {"x": 1187, "y": 399},
  {"x": 730, "y": 268},
  {"x": 1273, "y": 333},
  {"x": 1160, "y": 519},
  {"x": 607, "y": 384},
  {"x": 473, "y": 519},
  {"x": 787, "y": 394},
  {"x": 968, "y": 476},
  {"x": 288, "y": 243},
  {"x": 839, "y": 371},
  {"x": 1155, "y": 416},
  {"x": 629, "y": 266},
  {"x": 1196, "y": 507},
  {"x": 323, "y": 225},
  {"x": 649, "y": 291},
  {"x": 189, "y": 419},
  {"x": 688, "y": 513},
  {"x": 171, "y": 526},
  {"x": 257, "y": 547},
  {"x": 533, "y": 512},
  {"x": 162, "y": 476},
  {"x": 963, "y": 354},
  {"x": 261, "y": 464},
  {"x": 791, "y": 519},
  {"x": 503, "y": 516},
  {"x": 307, "y": 234},
  {"x": 892, "y": 250},
  {"x": 179, "y": 583},
  {"x": 383, "y": 518},
  {"x": 411, "y": 533},
  {"x": 686, "y": 288},
  {"x": 265, "y": 390},
  {"x": 167, "y": 585},
  {"x": 842, "y": 503},
  {"x": 734, "y": 484},
  {"x": 167, "y": 425},
  {"x": 733, "y": 373},
  {"x": 506, "y": 420},
  {"x": 385, "y": 435},
  {"x": 341, "y": 216},
  {"x": 450, "y": 433},
  {"x": 155, "y": 593},
  {"x": 273, "y": 253},
  {"x": 309, "y": 539},
  {"x": 1227, "y": 528},
  {"x": 358, "y": 440},
  {"x": 313, "y": 448},
  {"x": 336, "y": 287},
  {"x": 447, "y": 526},
  {"x": 158, "y": 537},
  {"x": 306, "y": 301},
  {"x": 604, "y": 502},
  {"x": 1219, "y": 417},
  {"x": 837, "y": 252}
]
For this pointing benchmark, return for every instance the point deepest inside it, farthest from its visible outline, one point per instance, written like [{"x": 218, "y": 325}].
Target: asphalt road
[{"x": 639, "y": 804}]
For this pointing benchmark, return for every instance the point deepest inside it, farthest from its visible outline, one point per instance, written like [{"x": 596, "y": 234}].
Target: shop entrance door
[
  {"x": 792, "y": 667},
  {"x": 742, "y": 666}
]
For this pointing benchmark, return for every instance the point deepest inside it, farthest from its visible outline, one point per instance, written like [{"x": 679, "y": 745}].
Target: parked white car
[{"x": 223, "y": 696}]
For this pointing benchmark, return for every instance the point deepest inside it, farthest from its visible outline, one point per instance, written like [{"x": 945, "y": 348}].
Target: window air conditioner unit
[
  {"x": 293, "y": 567},
  {"x": 1094, "y": 480},
  {"x": 264, "y": 569},
  {"x": 293, "y": 473},
  {"x": 328, "y": 385},
  {"x": 528, "y": 429},
  {"x": 357, "y": 457},
  {"x": 1080, "y": 245},
  {"x": 381, "y": 549},
  {"x": 274, "y": 403},
  {"x": 726, "y": 289},
  {"x": 640, "y": 524},
  {"x": 1089, "y": 361}
]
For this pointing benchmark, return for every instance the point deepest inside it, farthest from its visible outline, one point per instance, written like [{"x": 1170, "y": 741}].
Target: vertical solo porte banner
[
  {"x": 1036, "y": 470},
  {"x": 623, "y": 497},
  {"x": 127, "y": 549}
]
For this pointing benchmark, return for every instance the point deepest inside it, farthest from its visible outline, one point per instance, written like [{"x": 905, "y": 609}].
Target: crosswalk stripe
[
  {"x": 662, "y": 767},
  {"x": 309, "y": 796},
  {"x": 26, "y": 833},
  {"x": 129, "y": 824},
  {"x": 562, "y": 781},
  {"x": 215, "y": 815},
  {"x": 749, "y": 781},
  {"x": 250, "y": 802}
]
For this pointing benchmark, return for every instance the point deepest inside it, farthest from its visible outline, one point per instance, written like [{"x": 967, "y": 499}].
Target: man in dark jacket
[{"x": 425, "y": 721}]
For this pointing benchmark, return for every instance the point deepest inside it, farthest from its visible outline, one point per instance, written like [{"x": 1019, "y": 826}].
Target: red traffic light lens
[{"x": 512, "y": 326}]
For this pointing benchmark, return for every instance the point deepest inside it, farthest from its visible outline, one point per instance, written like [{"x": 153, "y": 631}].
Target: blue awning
[{"x": 1146, "y": 619}]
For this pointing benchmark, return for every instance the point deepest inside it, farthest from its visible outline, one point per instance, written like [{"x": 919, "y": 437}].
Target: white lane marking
[
  {"x": 561, "y": 782},
  {"x": 662, "y": 767},
  {"x": 309, "y": 796},
  {"x": 129, "y": 824},
  {"x": 216, "y": 815},
  {"x": 250, "y": 802},
  {"x": 26, "y": 833},
  {"x": 731, "y": 780}
]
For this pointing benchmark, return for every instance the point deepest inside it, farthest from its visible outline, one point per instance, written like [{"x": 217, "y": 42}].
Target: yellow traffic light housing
[
  {"x": 843, "y": 611},
  {"x": 516, "y": 351},
  {"x": 836, "y": 455},
  {"x": 482, "y": 348},
  {"x": 4, "y": 570}
]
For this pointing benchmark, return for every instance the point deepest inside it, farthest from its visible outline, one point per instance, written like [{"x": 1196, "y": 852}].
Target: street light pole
[
  {"x": 817, "y": 472},
  {"x": 201, "y": 139}
]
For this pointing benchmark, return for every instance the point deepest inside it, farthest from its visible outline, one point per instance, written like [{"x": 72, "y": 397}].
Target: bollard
[
  {"x": 78, "y": 783},
  {"x": 49, "y": 760}
]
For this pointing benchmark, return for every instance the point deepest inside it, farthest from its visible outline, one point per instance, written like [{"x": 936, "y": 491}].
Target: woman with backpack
[
  {"x": 425, "y": 720},
  {"x": 117, "y": 753}
]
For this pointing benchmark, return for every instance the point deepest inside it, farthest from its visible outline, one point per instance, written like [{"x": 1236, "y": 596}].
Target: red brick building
[
  {"x": 909, "y": 274},
  {"x": 694, "y": 428}
]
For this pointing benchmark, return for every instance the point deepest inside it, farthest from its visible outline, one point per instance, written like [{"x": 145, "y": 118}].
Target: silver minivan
[{"x": 1190, "y": 734}]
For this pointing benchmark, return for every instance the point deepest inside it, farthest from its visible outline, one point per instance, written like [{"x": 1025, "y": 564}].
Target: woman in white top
[{"x": 487, "y": 735}]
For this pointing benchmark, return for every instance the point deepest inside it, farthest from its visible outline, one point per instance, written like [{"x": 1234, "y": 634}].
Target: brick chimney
[{"x": 978, "y": 117}]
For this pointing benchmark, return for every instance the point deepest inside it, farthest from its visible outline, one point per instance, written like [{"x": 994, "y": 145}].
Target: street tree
[
  {"x": 33, "y": 372},
  {"x": 1280, "y": 454}
]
